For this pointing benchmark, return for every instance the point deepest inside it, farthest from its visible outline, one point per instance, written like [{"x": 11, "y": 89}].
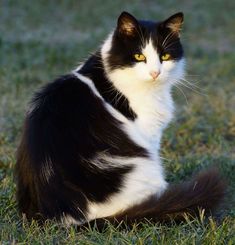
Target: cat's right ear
[
  {"x": 175, "y": 22},
  {"x": 127, "y": 24}
]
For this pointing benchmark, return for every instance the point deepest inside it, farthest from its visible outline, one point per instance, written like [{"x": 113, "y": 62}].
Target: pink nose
[{"x": 154, "y": 74}]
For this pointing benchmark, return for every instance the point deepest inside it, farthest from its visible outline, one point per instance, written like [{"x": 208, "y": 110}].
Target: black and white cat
[{"x": 91, "y": 141}]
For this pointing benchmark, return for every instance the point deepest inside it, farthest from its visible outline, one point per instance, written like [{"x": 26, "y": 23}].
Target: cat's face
[{"x": 140, "y": 54}]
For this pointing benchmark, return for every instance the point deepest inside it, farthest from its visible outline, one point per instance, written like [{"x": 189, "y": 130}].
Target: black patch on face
[
  {"x": 167, "y": 41},
  {"x": 67, "y": 127},
  {"x": 124, "y": 47},
  {"x": 94, "y": 69}
]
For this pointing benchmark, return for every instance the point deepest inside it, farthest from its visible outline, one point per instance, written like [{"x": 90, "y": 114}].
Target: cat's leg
[{"x": 145, "y": 179}]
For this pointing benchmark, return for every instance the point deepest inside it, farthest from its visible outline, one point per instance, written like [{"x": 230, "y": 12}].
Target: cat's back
[{"x": 63, "y": 97}]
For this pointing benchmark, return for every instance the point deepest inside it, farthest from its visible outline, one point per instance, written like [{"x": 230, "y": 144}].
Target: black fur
[
  {"x": 67, "y": 127},
  {"x": 94, "y": 69}
]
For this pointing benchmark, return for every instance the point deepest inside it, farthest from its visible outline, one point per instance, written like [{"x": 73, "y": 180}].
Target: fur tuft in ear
[
  {"x": 127, "y": 24},
  {"x": 175, "y": 22}
]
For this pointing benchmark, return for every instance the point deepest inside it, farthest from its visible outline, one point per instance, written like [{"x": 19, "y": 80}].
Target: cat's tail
[{"x": 205, "y": 191}]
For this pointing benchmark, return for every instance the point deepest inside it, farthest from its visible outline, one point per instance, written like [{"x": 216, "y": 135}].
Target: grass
[{"x": 40, "y": 40}]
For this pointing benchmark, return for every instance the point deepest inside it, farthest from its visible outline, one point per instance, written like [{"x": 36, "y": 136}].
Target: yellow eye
[
  {"x": 140, "y": 57},
  {"x": 166, "y": 57}
]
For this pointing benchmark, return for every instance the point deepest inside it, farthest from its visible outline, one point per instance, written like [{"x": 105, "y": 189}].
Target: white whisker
[
  {"x": 170, "y": 44},
  {"x": 140, "y": 33},
  {"x": 191, "y": 88},
  {"x": 164, "y": 41},
  {"x": 186, "y": 99},
  {"x": 192, "y": 84}
]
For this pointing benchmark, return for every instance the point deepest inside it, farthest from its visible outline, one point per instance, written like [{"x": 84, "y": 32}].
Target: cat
[{"x": 91, "y": 141}]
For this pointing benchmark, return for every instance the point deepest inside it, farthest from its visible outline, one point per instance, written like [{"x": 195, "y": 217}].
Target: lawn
[{"x": 40, "y": 40}]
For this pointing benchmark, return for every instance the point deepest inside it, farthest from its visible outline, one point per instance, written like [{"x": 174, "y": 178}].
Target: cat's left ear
[
  {"x": 175, "y": 22},
  {"x": 127, "y": 24}
]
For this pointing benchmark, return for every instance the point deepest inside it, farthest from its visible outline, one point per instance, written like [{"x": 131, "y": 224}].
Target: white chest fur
[
  {"x": 149, "y": 98},
  {"x": 147, "y": 177},
  {"x": 154, "y": 111},
  {"x": 153, "y": 105}
]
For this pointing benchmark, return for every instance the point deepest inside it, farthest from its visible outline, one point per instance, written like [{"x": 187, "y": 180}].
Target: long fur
[
  {"x": 91, "y": 140},
  {"x": 204, "y": 192}
]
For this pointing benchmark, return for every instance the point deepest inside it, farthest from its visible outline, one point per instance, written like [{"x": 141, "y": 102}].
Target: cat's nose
[{"x": 154, "y": 74}]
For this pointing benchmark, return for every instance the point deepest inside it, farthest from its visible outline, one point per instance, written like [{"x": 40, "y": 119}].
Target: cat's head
[{"x": 142, "y": 54}]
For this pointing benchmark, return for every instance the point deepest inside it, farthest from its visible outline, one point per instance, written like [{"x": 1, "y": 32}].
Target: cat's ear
[
  {"x": 175, "y": 22},
  {"x": 127, "y": 24}
]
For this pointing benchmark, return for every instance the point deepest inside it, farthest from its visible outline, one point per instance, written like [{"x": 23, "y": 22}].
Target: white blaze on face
[
  {"x": 140, "y": 76},
  {"x": 152, "y": 64},
  {"x": 167, "y": 71}
]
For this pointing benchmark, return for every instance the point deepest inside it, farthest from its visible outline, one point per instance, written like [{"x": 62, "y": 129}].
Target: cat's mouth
[
  {"x": 155, "y": 80},
  {"x": 152, "y": 81}
]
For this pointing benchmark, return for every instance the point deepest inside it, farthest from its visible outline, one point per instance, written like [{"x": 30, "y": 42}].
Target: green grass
[{"x": 40, "y": 41}]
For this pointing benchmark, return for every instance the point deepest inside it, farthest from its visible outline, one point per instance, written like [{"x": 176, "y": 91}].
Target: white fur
[
  {"x": 150, "y": 99},
  {"x": 152, "y": 102},
  {"x": 67, "y": 220},
  {"x": 146, "y": 179}
]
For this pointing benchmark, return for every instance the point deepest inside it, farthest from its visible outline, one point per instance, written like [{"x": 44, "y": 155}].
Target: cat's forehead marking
[
  {"x": 151, "y": 54},
  {"x": 149, "y": 49}
]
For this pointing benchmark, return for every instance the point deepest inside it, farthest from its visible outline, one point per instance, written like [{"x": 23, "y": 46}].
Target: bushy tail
[{"x": 205, "y": 191}]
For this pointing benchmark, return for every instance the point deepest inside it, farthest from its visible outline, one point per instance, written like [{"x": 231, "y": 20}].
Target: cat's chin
[
  {"x": 155, "y": 82},
  {"x": 158, "y": 82}
]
